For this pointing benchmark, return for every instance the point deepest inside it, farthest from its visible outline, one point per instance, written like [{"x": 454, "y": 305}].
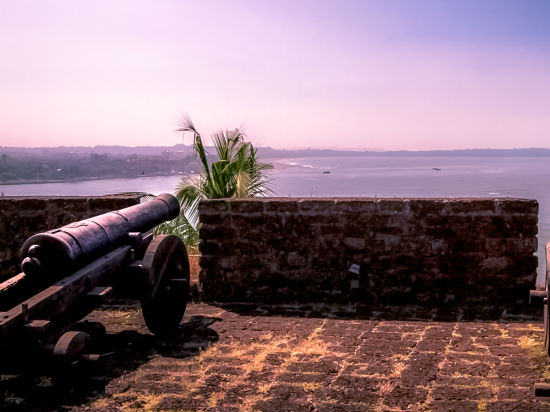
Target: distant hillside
[
  {"x": 181, "y": 151},
  {"x": 39, "y": 165},
  {"x": 268, "y": 152},
  {"x": 59, "y": 164},
  {"x": 101, "y": 150}
]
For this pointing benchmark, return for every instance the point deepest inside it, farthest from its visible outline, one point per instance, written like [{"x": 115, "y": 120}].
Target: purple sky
[{"x": 386, "y": 74}]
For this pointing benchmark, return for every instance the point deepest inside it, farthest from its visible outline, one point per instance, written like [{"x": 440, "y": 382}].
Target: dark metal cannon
[
  {"x": 67, "y": 272},
  {"x": 542, "y": 296},
  {"x": 62, "y": 250}
]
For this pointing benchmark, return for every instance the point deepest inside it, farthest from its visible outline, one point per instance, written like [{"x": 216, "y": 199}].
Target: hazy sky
[{"x": 387, "y": 74}]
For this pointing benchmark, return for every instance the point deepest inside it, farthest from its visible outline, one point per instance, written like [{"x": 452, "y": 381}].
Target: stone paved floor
[{"x": 233, "y": 360}]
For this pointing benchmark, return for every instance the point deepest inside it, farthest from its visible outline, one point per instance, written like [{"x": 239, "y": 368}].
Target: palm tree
[{"x": 236, "y": 173}]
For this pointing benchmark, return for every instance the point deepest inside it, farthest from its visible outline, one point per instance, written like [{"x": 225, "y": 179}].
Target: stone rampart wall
[
  {"x": 21, "y": 217},
  {"x": 409, "y": 251}
]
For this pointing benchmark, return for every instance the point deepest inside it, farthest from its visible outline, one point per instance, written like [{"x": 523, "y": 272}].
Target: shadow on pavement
[
  {"x": 43, "y": 384},
  {"x": 385, "y": 312}
]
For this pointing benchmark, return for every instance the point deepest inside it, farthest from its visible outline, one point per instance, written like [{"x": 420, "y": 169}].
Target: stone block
[
  {"x": 217, "y": 232},
  {"x": 32, "y": 204},
  {"x": 213, "y": 206},
  {"x": 421, "y": 207},
  {"x": 519, "y": 246},
  {"x": 393, "y": 207},
  {"x": 494, "y": 263},
  {"x": 354, "y": 243},
  {"x": 495, "y": 245},
  {"x": 346, "y": 206},
  {"x": 518, "y": 206},
  {"x": 209, "y": 247},
  {"x": 421, "y": 251},
  {"x": 297, "y": 260},
  {"x": 246, "y": 206},
  {"x": 281, "y": 207},
  {"x": 472, "y": 206},
  {"x": 317, "y": 206}
]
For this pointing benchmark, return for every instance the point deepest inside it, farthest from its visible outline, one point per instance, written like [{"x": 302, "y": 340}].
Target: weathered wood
[
  {"x": 37, "y": 327},
  {"x": 11, "y": 283},
  {"x": 15, "y": 289},
  {"x": 167, "y": 264},
  {"x": 71, "y": 343},
  {"x": 99, "y": 294},
  {"x": 59, "y": 297}
]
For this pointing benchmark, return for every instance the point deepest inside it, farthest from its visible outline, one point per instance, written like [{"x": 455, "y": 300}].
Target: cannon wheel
[
  {"x": 167, "y": 264},
  {"x": 547, "y": 303},
  {"x": 71, "y": 344}
]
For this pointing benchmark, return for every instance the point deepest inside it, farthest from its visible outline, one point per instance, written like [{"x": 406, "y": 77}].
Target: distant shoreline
[
  {"x": 266, "y": 151},
  {"x": 88, "y": 179},
  {"x": 276, "y": 157}
]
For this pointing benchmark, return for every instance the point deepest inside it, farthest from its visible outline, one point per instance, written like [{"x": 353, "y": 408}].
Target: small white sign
[{"x": 354, "y": 268}]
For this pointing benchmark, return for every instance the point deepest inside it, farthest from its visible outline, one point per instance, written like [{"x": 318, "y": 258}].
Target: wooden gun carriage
[
  {"x": 68, "y": 272},
  {"x": 543, "y": 297}
]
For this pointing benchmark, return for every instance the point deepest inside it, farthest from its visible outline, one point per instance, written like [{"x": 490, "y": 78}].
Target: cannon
[
  {"x": 69, "y": 271},
  {"x": 542, "y": 296}
]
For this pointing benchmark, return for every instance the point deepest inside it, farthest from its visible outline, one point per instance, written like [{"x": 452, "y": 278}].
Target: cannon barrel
[{"x": 60, "y": 251}]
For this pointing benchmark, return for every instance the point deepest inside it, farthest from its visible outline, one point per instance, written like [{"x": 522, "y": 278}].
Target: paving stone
[
  {"x": 172, "y": 403},
  {"x": 421, "y": 369},
  {"x": 341, "y": 407},
  {"x": 456, "y": 405},
  {"x": 328, "y": 366},
  {"x": 455, "y": 392},
  {"x": 283, "y": 405},
  {"x": 461, "y": 380},
  {"x": 287, "y": 392},
  {"x": 405, "y": 397},
  {"x": 506, "y": 406},
  {"x": 520, "y": 374},
  {"x": 242, "y": 361},
  {"x": 376, "y": 365},
  {"x": 452, "y": 356},
  {"x": 519, "y": 393},
  {"x": 224, "y": 370},
  {"x": 315, "y": 378},
  {"x": 463, "y": 367},
  {"x": 356, "y": 382}
]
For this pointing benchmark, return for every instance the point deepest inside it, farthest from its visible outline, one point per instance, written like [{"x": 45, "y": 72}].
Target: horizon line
[{"x": 309, "y": 148}]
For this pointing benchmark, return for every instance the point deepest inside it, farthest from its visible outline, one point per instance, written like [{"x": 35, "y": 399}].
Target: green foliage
[
  {"x": 181, "y": 227},
  {"x": 236, "y": 173}
]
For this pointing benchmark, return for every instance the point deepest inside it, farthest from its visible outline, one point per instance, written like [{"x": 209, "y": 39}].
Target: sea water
[{"x": 365, "y": 175}]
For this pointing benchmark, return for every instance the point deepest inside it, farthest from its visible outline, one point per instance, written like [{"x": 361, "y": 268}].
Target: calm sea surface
[{"x": 376, "y": 176}]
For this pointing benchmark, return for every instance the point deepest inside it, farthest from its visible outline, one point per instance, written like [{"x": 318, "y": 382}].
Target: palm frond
[
  {"x": 186, "y": 125},
  {"x": 236, "y": 173},
  {"x": 181, "y": 227}
]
